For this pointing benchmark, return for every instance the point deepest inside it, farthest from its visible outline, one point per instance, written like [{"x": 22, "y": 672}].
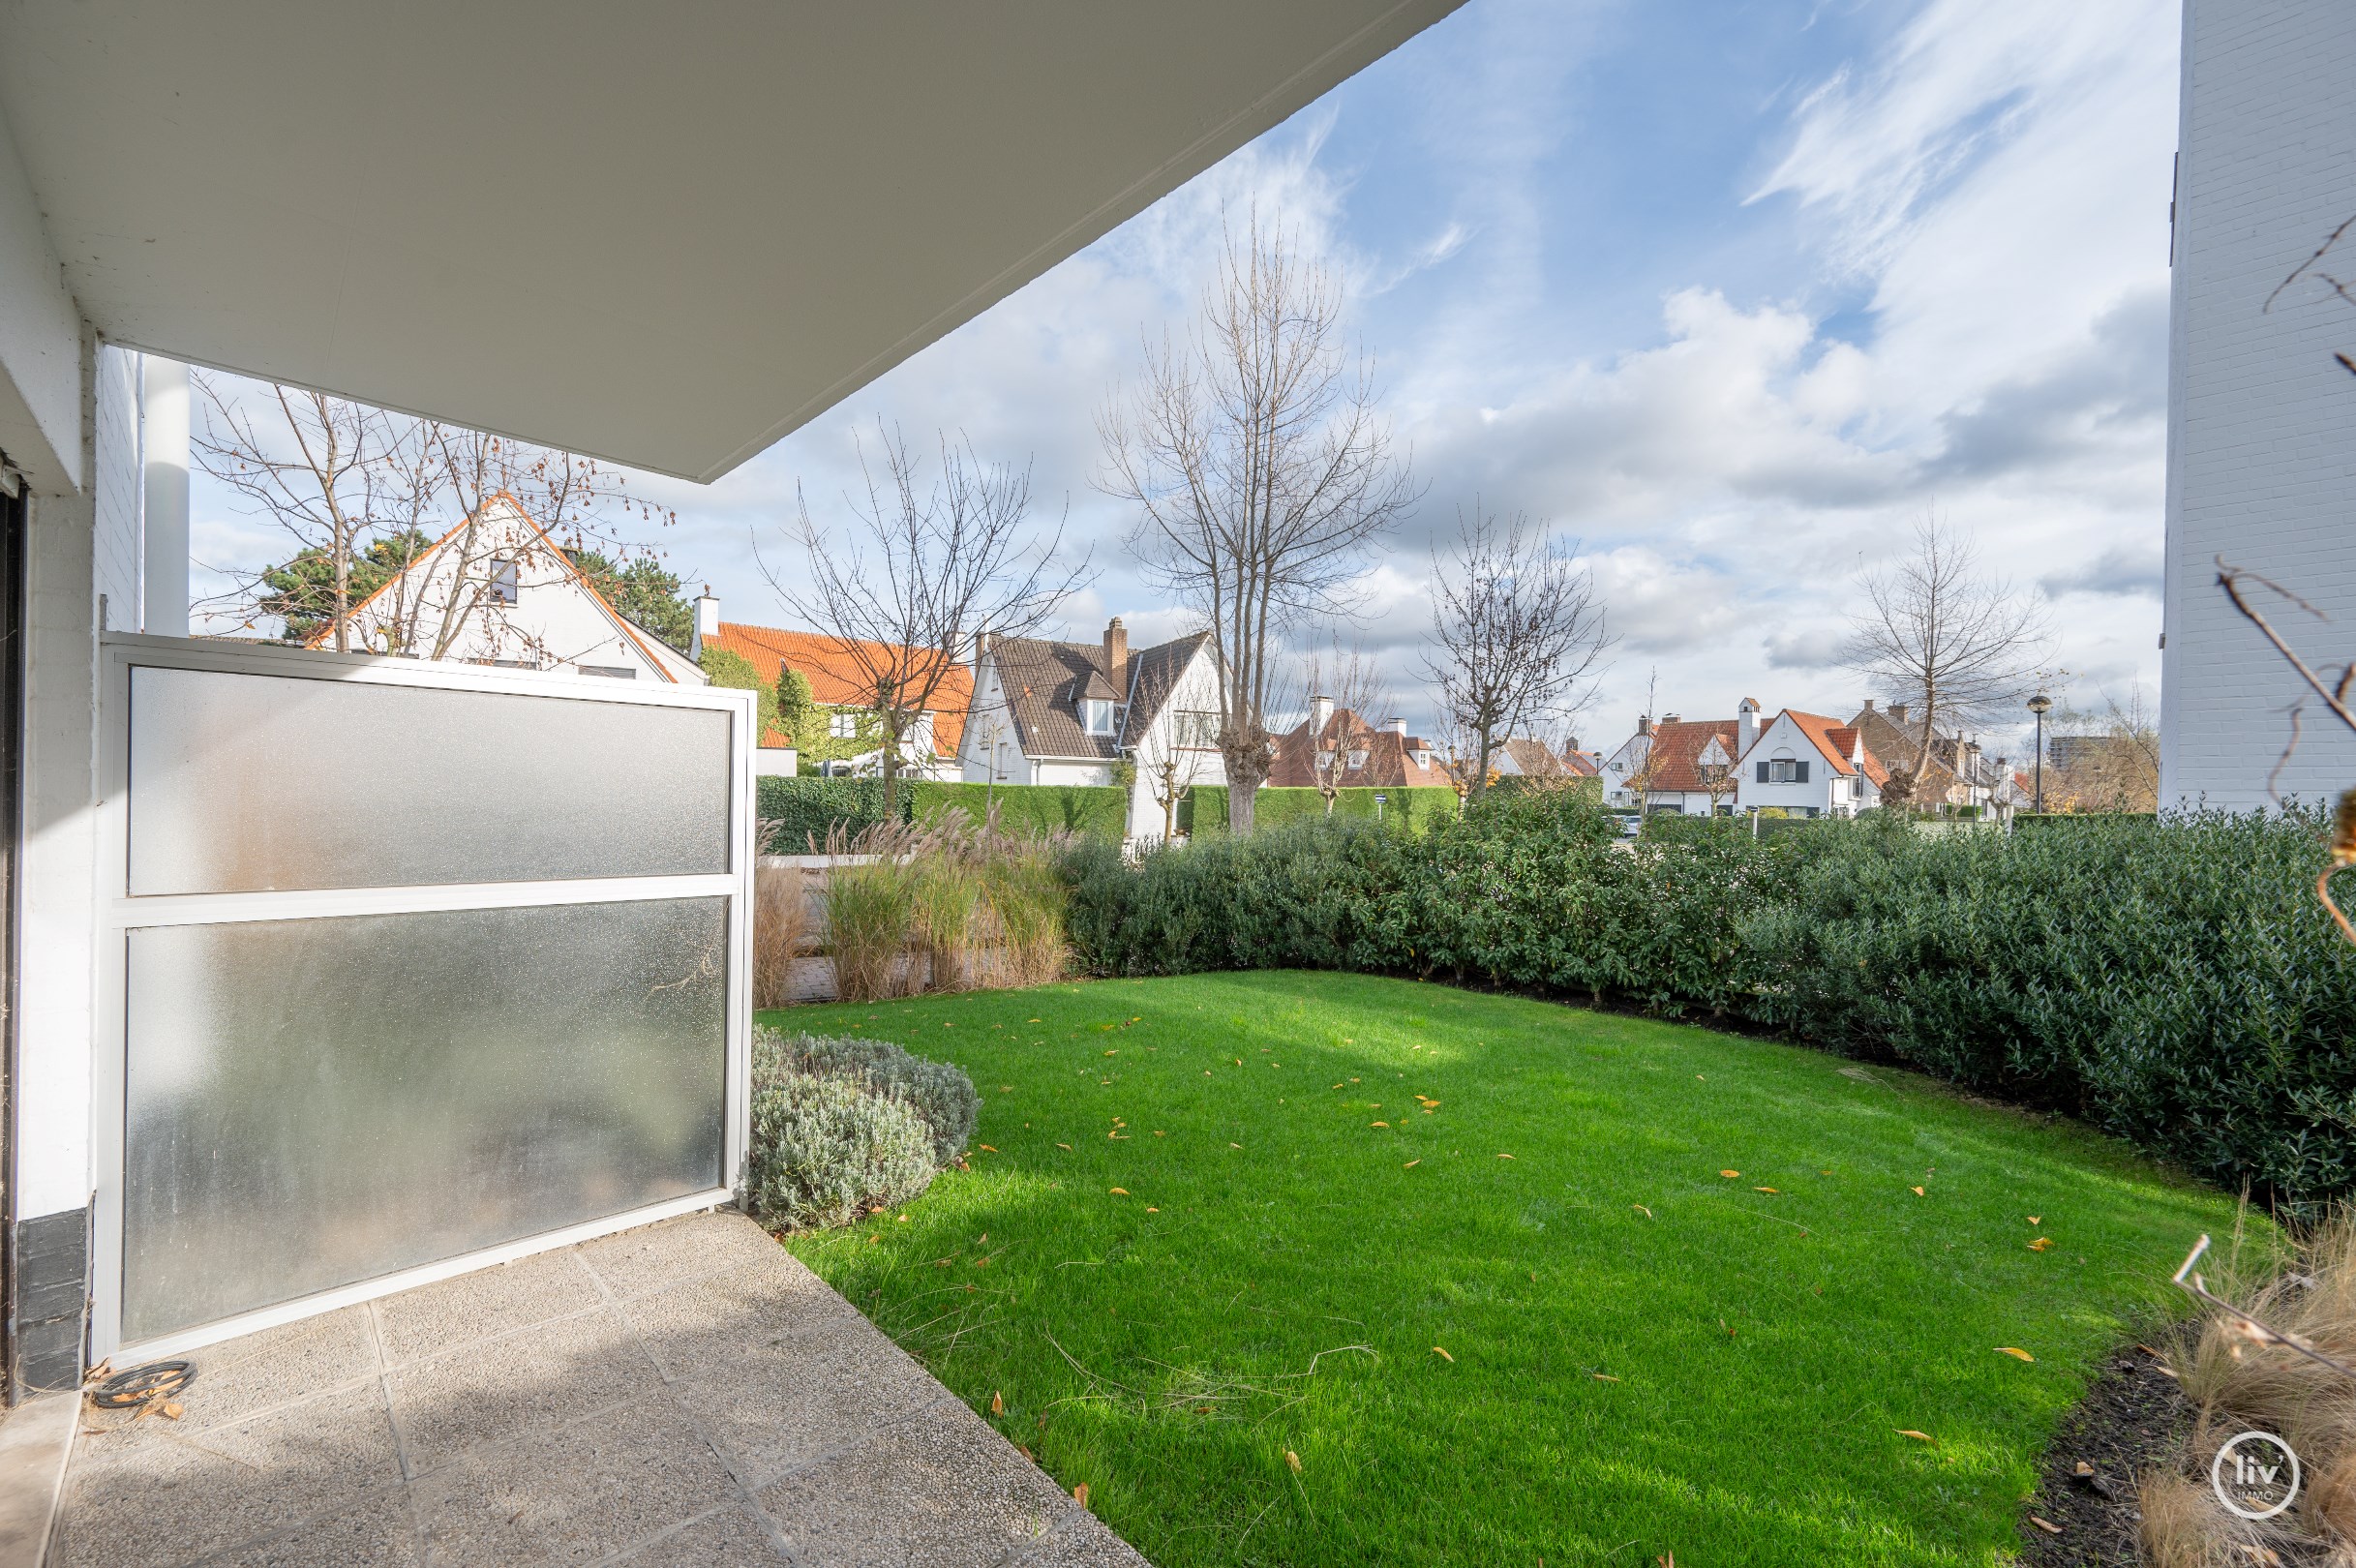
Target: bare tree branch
[
  {"x": 920, "y": 572},
  {"x": 1260, "y": 470},
  {"x": 1518, "y": 628}
]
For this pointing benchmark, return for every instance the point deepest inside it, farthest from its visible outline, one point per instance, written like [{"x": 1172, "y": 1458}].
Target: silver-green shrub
[
  {"x": 826, "y": 1151},
  {"x": 940, "y": 1094}
]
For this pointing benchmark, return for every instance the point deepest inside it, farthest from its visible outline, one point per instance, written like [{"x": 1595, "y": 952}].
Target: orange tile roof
[
  {"x": 833, "y": 675},
  {"x": 1830, "y": 737},
  {"x": 1674, "y": 761},
  {"x": 775, "y": 740}
]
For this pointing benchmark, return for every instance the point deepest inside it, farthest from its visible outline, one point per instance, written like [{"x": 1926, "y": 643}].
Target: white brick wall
[{"x": 2262, "y": 420}]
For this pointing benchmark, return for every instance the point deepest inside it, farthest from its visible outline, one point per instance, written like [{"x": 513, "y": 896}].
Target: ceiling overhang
[{"x": 665, "y": 235}]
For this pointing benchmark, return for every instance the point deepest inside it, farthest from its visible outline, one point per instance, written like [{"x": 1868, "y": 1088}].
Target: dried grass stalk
[{"x": 781, "y": 929}]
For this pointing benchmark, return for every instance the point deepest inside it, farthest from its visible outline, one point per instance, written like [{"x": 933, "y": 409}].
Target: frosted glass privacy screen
[
  {"x": 310, "y": 1104},
  {"x": 249, "y": 783}
]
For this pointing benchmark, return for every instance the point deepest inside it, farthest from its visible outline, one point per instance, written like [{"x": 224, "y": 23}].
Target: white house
[
  {"x": 497, "y": 590},
  {"x": 1050, "y": 712},
  {"x": 1806, "y": 765}
]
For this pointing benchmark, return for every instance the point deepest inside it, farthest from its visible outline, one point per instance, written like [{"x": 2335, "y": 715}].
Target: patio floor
[{"x": 685, "y": 1394}]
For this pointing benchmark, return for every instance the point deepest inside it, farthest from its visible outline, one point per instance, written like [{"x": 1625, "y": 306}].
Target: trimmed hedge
[
  {"x": 795, "y": 811},
  {"x": 2171, "y": 982},
  {"x": 1415, "y": 807},
  {"x": 1092, "y": 811}
]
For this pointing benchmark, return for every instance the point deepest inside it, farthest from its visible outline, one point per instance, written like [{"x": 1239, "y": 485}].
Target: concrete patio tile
[
  {"x": 1083, "y": 1542},
  {"x": 439, "y": 1318},
  {"x": 572, "y": 1494},
  {"x": 539, "y": 1376},
  {"x": 719, "y": 1316},
  {"x": 279, "y": 1365},
  {"x": 777, "y": 1409},
  {"x": 374, "y": 1532},
  {"x": 177, "y": 1497},
  {"x": 729, "y": 1538},
  {"x": 655, "y": 1257},
  {"x": 943, "y": 1490}
]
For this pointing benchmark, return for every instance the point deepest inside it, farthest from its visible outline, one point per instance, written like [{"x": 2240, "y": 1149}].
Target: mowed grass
[{"x": 1225, "y": 1218}]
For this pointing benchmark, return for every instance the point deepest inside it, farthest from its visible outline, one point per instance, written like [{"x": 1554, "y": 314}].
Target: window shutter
[
  {"x": 1763, "y": 775},
  {"x": 1799, "y": 773}
]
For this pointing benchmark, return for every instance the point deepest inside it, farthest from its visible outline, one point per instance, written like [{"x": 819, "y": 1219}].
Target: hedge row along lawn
[{"x": 1292, "y": 1268}]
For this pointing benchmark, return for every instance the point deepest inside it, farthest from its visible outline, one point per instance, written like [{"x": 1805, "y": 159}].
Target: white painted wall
[
  {"x": 2262, "y": 420},
  {"x": 80, "y": 547}
]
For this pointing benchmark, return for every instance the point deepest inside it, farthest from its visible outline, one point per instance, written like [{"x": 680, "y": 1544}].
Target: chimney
[
  {"x": 1897, "y": 713},
  {"x": 1671, "y": 718},
  {"x": 1868, "y": 705},
  {"x": 1399, "y": 726},
  {"x": 1746, "y": 727},
  {"x": 706, "y": 623},
  {"x": 1320, "y": 709},
  {"x": 1644, "y": 724},
  {"x": 982, "y": 647},
  {"x": 1116, "y": 655}
]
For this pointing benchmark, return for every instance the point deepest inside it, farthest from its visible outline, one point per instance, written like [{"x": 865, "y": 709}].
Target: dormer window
[
  {"x": 1096, "y": 716},
  {"x": 1357, "y": 760}
]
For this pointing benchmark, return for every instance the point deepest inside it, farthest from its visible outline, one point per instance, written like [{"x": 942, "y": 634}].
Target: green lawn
[{"x": 1646, "y": 1352}]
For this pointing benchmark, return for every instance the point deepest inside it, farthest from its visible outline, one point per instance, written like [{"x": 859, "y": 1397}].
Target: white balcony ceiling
[{"x": 666, "y": 234}]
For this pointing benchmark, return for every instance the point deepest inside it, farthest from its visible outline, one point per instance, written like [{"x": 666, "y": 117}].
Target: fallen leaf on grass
[
  {"x": 1378, "y": 1124},
  {"x": 1158, "y": 1132},
  {"x": 986, "y": 1147},
  {"x": 1771, "y": 1192},
  {"x": 1234, "y": 1145},
  {"x": 2040, "y": 1244},
  {"x": 1120, "y": 1192},
  {"x": 877, "y": 1237},
  {"x": 1030, "y": 1020},
  {"x": 2034, "y": 1221},
  {"x": 1064, "y": 1146},
  {"x": 1293, "y": 1459},
  {"x": 1443, "y": 1355},
  {"x": 1412, "y": 1164},
  {"x": 2045, "y": 1524},
  {"x": 1337, "y": 1086},
  {"x": 1916, "y": 1191},
  {"x": 998, "y": 1403},
  {"x": 1640, "y": 1209},
  {"x": 1079, "y": 1494},
  {"x": 2014, "y": 1352},
  {"x": 1150, "y": 1209},
  {"x": 1505, "y": 1156},
  {"x": 1730, "y": 1175},
  {"x": 1603, "y": 1378},
  {"x": 1919, "y": 1436}
]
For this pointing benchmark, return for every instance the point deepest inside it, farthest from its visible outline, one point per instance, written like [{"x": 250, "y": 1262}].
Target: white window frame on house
[
  {"x": 504, "y": 578},
  {"x": 1096, "y": 716},
  {"x": 1194, "y": 730},
  {"x": 842, "y": 724},
  {"x": 120, "y": 914}
]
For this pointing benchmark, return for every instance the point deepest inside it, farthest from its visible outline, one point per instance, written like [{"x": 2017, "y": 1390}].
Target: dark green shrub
[
  {"x": 1203, "y": 813},
  {"x": 826, "y": 1151},
  {"x": 940, "y": 1095}
]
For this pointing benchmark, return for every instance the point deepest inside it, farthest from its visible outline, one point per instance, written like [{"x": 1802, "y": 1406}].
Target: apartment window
[
  {"x": 503, "y": 579},
  {"x": 843, "y": 725}
]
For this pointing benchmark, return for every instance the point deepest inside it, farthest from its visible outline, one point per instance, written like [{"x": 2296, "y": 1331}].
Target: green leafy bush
[
  {"x": 1417, "y": 808},
  {"x": 936, "y": 1091},
  {"x": 2171, "y": 981},
  {"x": 825, "y": 1150}
]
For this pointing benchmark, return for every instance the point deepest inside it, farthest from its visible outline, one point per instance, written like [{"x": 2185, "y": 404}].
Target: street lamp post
[{"x": 2038, "y": 705}]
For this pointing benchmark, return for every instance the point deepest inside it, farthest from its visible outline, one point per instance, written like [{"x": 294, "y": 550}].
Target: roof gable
[{"x": 1676, "y": 756}]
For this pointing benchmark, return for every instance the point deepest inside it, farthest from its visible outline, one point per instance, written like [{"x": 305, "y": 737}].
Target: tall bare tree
[
  {"x": 1354, "y": 685},
  {"x": 1516, "y": 628},
  {"x": 1947, "y": 641},
  {"x": 922, "y": 571},
  {"x": 1261, "y": 471}
]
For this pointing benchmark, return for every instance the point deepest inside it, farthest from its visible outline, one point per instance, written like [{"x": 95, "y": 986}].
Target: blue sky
[{"x": 1733, "y": 293}]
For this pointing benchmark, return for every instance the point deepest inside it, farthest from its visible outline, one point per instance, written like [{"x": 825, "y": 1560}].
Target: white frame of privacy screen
[{"x": 405, "y": 969}]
